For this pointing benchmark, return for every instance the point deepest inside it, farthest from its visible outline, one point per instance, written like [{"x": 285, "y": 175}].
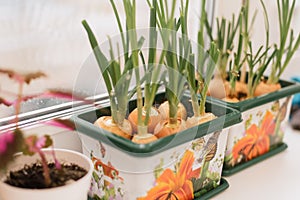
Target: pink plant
[
  {"x": 5, "y": 140},
  {"x": 33, "y": 145},
  {"x": 12, "y": 142}
]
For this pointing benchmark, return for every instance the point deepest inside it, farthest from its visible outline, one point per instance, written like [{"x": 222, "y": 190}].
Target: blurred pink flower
[{"x": 5, "y": 139}]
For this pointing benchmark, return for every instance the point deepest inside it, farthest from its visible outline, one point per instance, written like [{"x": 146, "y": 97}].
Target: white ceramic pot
[{"x": 73, "y": 191}]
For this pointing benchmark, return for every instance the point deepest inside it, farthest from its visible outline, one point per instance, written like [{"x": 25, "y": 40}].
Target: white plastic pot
[{"x": 73, "y": 191}]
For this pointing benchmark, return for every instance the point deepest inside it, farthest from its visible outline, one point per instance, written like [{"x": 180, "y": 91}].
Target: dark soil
[
  {"x": 241, "y": 96},
  {"x": 31, "y": 176}
]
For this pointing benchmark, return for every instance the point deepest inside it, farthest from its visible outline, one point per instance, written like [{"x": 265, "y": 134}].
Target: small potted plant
[
  {"x": 116, "y": 82},
  {"x": 137, "y": 168},
  {"x": 199, "y": 83},
  {"x": 174, "y": 121},
  {"x": 31, "y": 170},
  {"x": 263, "y": 100}
]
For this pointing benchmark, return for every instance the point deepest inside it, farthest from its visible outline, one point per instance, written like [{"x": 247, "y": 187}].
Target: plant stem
[
  {"x": 257, "y": 65},
  {"x": 117, "y": 82},
  {"x": 130, "y": 12},
  {"x": 213, "y": 53},
  {"x": 226, "y": 31},
  {"x": 246, "y": 36},
  {"x": 285, "y": 14},
  {"x": 45, "y": 168},
  {"x": 125, "y": 45},
  {"x": 18, "y": 104},
  {"x": 168, "y": 29},
  {"x": 151, "y": 85},
  {"x": 195, "y": 104},
  {"x": 236, "y": 65}
]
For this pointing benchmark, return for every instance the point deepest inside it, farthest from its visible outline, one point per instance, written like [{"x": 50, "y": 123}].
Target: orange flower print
[
  {"x": 256, "y": 141},
  {"x": 174, "y": 186}
]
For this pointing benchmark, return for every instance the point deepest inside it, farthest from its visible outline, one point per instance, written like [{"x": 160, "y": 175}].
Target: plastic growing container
[
  {"x": 261, "y": 133},
  {"x": 191, "y": 160}
]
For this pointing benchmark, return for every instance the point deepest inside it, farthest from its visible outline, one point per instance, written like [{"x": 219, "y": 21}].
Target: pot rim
[
  {"x": 288, "y": 89},
  {"x": 85, "y": 124},
  {"x": 87, "y": 175}
]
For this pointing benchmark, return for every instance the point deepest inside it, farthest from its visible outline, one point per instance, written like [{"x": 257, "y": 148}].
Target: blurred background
[{"x": 48, "y": 36}]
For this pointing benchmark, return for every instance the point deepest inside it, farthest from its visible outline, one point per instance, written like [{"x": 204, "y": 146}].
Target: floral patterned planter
[
  {"x": 207, "y": 195},
  {"x": 261, "y": 133},
  {"x": 187, "y": 163}
]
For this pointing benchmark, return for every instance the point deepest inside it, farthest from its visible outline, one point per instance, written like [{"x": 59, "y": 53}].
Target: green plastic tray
[
  {"x": 228, "y": 172},
  {"x": 223, "y": 186},
  {"x": 226, "y": 117},
  {"x": 288, "y": 89}
]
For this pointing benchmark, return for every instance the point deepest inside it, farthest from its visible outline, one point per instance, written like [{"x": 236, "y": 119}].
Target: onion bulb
[
  {"x": 194, "y": 121},
  {"x": 264, "y": 88},
  {"x": 144, "y": 138},
  {"x": 106, "y": 123},
  {"x": 164, "y": 110},
  {"x": 165, "y": 128},
  {"x": 154, "y": 118}
]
